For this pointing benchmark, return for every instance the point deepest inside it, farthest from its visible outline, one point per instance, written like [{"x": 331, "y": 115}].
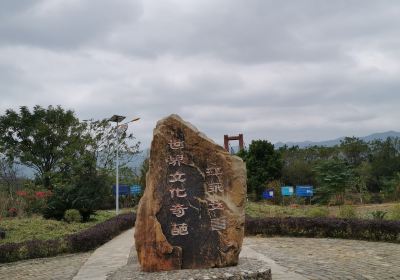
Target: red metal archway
[{"x": 236, "y": 137}]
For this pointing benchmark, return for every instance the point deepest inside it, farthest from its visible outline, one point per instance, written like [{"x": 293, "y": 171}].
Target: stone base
[{"x": 246, "y": 269}]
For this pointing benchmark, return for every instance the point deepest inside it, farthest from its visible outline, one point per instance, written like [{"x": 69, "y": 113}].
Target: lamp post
[{"x": 117, "y": 119}]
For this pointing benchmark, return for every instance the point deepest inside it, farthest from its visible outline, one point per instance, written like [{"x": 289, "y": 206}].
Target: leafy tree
[
  {"x": 263, "y": 164},
  {"x": 9, "y": 176},
  {"x": 333, "y": 178},
  {"x": 47, "y": 140},
  {"x": 143, "y": 173},
  {"x": 298, "y": 172},
  {"x": 385, "y": 162},
  {"x": 391, "y": 187},
  {"x": 355, "y": 150},
  {"x": 104, "y": 137}
]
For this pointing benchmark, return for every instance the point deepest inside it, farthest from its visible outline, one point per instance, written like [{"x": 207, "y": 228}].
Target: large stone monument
[{"x": 192, "y": 212}]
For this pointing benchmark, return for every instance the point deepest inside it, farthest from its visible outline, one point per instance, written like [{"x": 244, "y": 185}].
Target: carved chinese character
[
  {"x": 215, "y": 187},
  {"x": 179, "y": 229},
  {"x": 178, "y": 210},
  {"x": 175, "y": 160},
  {"x": 218, "y": 223},
  {"x": 178, "y": 192},
  {"x": 176, "y": 145},
  {"x": 215, "y": 205},
  {"x": 213, "y": 171},
  {"x": 177, "y": 177}
]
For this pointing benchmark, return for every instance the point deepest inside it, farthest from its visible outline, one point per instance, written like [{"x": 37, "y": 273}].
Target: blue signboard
[
  {"x": 287, "y": 190},
  {"x": 136, "y": 189},
  {"x": 268, "y": 194},
  {"x": 122, "y": 190},
  {"x": 304, "y": 191}
]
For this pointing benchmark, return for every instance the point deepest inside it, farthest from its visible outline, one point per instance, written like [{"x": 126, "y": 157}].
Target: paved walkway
[
  {"x": 331, "y": 258},
  {"x": 289, "y": 259},
  {"x": 61, "y": 268},
  {"x": 108, "y": 258}
]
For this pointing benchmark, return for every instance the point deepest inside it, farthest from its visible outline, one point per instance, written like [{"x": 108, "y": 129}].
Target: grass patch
[
  {"x": 36, "y": 227},
  {"x": 82, "y": 241},
  {"x": 263, "y": 210}
]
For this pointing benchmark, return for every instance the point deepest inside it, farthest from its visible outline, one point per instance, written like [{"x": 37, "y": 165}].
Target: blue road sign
[
  {"x": 268, "y": 194},
  {"x": 304, "y": 191},
  {"x": 136, "y": 189},
  {"x": 122, "y": 190},
  {"x": 287, "y": 190}
]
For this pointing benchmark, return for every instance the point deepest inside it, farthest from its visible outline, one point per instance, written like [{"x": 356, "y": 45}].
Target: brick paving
[
  {"x": 331, "y": 258},
  {"x": 63, "y": 267},
  {"x": 290, "y": 258}
]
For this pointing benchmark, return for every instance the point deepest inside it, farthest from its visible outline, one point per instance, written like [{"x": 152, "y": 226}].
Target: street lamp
[{"x": 117, "y": 119}]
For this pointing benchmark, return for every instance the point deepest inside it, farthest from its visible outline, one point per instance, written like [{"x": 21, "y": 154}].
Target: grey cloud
[
  {"x": 272, "y": 70},
  {"x": 65, "y": 24},
  {"x": 260, "y": 31}
]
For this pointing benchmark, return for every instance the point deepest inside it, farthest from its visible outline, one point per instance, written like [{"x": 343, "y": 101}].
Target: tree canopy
[
  {"x": 263, "y": 165},
  {"x": 45, "y": 139}
]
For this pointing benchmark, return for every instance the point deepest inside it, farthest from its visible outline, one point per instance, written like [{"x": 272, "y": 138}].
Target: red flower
[
  {"x": 42, "y": 194},
  {"x": 21, "y": 193}
]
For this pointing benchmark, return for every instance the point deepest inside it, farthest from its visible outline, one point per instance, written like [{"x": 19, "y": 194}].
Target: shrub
[
  {"x": 85, "y": 193},
  {"x": 347, "y": 212},
  {"x": 12, "y": 212},
  {"x": 72, "y": 216},
  {"x": 33, "y": 202},
  {"x": 99, "y": 234},
  {"x": 58, "y": 203},
  {"x": 378, "y": 214},
  {"x": 373, "y": 230},
  {"x": 316, "y": 212},
  {"x": 395, "y": 212},
  {"x": 78, "y": 242}
]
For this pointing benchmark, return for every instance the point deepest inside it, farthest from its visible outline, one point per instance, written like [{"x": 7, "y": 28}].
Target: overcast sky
[{"x": 277, "y": 70}]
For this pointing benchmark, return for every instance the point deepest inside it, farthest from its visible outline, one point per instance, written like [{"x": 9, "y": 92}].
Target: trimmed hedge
[
  {"x": 371, "y": 230},
  {"x": 89, "y": 239},
  {"x": 83, "y": 241}
]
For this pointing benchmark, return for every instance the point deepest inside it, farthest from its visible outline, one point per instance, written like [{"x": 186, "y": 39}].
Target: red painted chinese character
[
  {"x": 215, "y": 205},
  {"x": 176, "y": 145},
  {"x": 175, "y": 160},
  {"x": 215, "y": 187},
  {"x": 178, "y": 192},
  {"x": 178, "y": 210},
  {"x": 177, "y": 177},
  {"x": 213, "y": 171},
  {"x": 179, "y": 229}
]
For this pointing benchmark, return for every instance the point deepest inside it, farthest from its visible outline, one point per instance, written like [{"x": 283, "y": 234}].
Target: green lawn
[
  {"x": 263, "y": 209},
  {"x": 36, "y": 227}
]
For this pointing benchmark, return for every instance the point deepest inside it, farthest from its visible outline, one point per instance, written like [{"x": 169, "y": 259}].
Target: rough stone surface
[
  {"x": 192, "y": 212},
  {"x": 246, "y": 269}
]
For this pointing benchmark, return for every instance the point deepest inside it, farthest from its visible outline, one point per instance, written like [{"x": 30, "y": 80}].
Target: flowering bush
[
  {"x": 21, "y": 193},
  {"x": 34, "y": 202}
]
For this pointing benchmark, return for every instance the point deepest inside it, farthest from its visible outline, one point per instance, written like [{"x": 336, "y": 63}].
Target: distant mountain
[{"x": 331, "y": 143}]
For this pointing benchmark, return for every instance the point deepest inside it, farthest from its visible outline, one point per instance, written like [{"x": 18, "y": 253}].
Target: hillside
[{"x": 333, "y": 142}]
